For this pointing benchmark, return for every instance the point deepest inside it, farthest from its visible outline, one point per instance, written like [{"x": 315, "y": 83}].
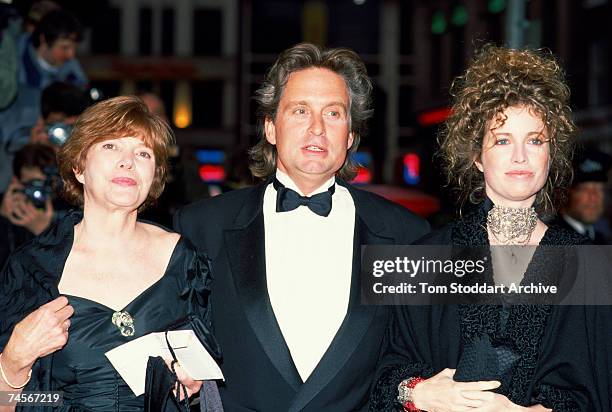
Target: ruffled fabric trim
[
  {"x": 197, "y": 293},
  {"x": 555, "y": 399},
  {"x": 199, "y": 279}
]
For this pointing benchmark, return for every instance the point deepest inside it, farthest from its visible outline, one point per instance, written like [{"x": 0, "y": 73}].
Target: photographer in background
[
  {"x": 60, "y": 105},
  {"x": 585, "y": 204},
  {"x": 27, "y": 206},
  {"x": 44, "y": 57},
  {"x": 30, "y": 202}
]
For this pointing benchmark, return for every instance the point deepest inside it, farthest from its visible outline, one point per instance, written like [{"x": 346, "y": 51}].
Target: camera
[
  {"x": 37, "y": 191},
  {"x": 59, "y": 133}
]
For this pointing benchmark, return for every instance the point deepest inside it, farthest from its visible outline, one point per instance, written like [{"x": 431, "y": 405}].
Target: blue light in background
[
  {"x": 206, "y": 156},
  {"x": 363, "y": 158}
]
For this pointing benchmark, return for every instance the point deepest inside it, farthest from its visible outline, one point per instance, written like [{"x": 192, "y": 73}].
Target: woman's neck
[
  {"x": 106, "y": 229},
  {"x": 509, "y": 225}
]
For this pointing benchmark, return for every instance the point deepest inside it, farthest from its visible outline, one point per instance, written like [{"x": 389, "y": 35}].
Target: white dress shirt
[
  {"x": 309, "y": 261},
  {"x": 583, "y": 229}
]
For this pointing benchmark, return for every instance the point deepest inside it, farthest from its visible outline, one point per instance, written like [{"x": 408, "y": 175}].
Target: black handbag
[{"x": 159, "y": 384}]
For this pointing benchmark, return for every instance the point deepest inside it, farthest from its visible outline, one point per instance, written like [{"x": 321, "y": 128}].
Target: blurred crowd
[{"x": 43, "y": 90}]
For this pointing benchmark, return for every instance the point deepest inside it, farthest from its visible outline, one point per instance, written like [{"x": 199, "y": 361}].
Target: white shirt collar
[
  {"x": 286, "y": 180},
  {"x": 577, "y": 225},
  {"x": 45, "y": 64}
]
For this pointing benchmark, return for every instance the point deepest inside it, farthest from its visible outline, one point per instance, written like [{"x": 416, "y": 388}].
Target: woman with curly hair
[{"x": 506, "y": 149}]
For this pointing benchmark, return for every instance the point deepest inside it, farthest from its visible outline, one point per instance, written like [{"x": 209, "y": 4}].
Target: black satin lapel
[
  {"x": 246, "y": 254},
  {"x": 353, "y": 328}
]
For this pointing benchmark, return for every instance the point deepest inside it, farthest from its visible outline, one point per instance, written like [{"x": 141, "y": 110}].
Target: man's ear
[
  {"x": 79, "y": 176},
  {"x": 270, "y": 131},
  {"x": 350, "y": 141},
  {"x": 42, "y": 41}
]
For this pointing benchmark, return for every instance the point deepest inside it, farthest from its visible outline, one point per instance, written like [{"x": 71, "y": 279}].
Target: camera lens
[
  {"x": 37, "y": 194},
  {"x": 37, "y": 191},
  {"x": 59, "y": 133}
]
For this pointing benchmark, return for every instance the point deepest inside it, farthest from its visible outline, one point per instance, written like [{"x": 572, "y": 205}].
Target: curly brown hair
[
  {"x": 343, "y": 62},
  {"x": 111, "y": 119},
  {"x": 496, "y": 79}
]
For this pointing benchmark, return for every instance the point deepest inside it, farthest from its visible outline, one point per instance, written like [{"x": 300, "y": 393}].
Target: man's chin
[{"x": 588, "y": 220}]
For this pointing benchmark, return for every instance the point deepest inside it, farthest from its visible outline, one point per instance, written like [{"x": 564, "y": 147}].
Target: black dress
[
  {"x": 88, "y": 380},
  {"x": 556, "y": 356}
]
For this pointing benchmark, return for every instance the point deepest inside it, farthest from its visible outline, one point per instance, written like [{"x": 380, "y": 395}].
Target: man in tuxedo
[{"x": 286, "y": 253}]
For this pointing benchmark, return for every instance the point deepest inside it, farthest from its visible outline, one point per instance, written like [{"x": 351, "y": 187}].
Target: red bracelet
[{"x": 405, "y": 389}]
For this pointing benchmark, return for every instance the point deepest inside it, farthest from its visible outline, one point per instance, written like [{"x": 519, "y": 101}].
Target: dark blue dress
[{"x": 80, "y": 369}]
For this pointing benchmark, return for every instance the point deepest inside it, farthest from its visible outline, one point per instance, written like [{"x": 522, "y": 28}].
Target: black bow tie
[{"x": 288, "y": 199}]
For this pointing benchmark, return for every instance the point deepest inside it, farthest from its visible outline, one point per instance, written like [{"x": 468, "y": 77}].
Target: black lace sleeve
[
  {"x": 569, "y": 360},
  {"x": 407, "y": 354},
  {"x": 556, "y": 399}
]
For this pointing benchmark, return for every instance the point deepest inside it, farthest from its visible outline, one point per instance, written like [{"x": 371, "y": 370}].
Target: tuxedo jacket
[{"x": 259, "y": 372}]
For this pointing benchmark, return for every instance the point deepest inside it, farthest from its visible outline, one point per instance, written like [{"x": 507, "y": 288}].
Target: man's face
[
  {"x": 40, "y": 133},
  {"x": 29, "y": 173},
  {"x": 59, "y": 117},
  {"x": 154, "y": 104},
  {"x": 14, "y": 201},
  {"x": 311, "y": 128},
  {"x": 586, "y": 202},
  {"x": 59, "y": 52}
]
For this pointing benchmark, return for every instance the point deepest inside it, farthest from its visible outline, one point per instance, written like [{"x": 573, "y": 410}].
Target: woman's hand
[
  {"x": 190, "y": 384},
  {"x": 441, "y": 393},
  {"x": 494, "y": 402},
  {"x": 42, "y": 332}
]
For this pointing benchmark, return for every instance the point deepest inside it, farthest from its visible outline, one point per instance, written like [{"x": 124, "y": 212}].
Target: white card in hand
[{"x": 130, "y": 359}]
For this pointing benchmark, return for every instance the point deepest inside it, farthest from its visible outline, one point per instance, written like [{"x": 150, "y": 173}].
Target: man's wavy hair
[
  {"x": 345, "y": 63},
  {"x": 496, "y": 79}
]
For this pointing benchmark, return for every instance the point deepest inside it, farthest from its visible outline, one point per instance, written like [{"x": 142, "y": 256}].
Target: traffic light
[
  {"x": 496, "y": 6},
  {"x": 459, "y": 16},
  {"x": 438, "y": 22}
]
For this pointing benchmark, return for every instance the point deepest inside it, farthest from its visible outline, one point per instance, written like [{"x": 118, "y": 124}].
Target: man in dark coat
[
  {"x": 584, "y": 208},
  {"x": 286, "y": 253}
]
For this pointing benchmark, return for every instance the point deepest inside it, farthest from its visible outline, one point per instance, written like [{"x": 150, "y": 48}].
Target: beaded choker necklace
[{"x": 511, "y": 225}]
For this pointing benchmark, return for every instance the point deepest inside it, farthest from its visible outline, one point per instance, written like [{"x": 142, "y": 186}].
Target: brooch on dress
[{"x": 124, "y": 322}]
